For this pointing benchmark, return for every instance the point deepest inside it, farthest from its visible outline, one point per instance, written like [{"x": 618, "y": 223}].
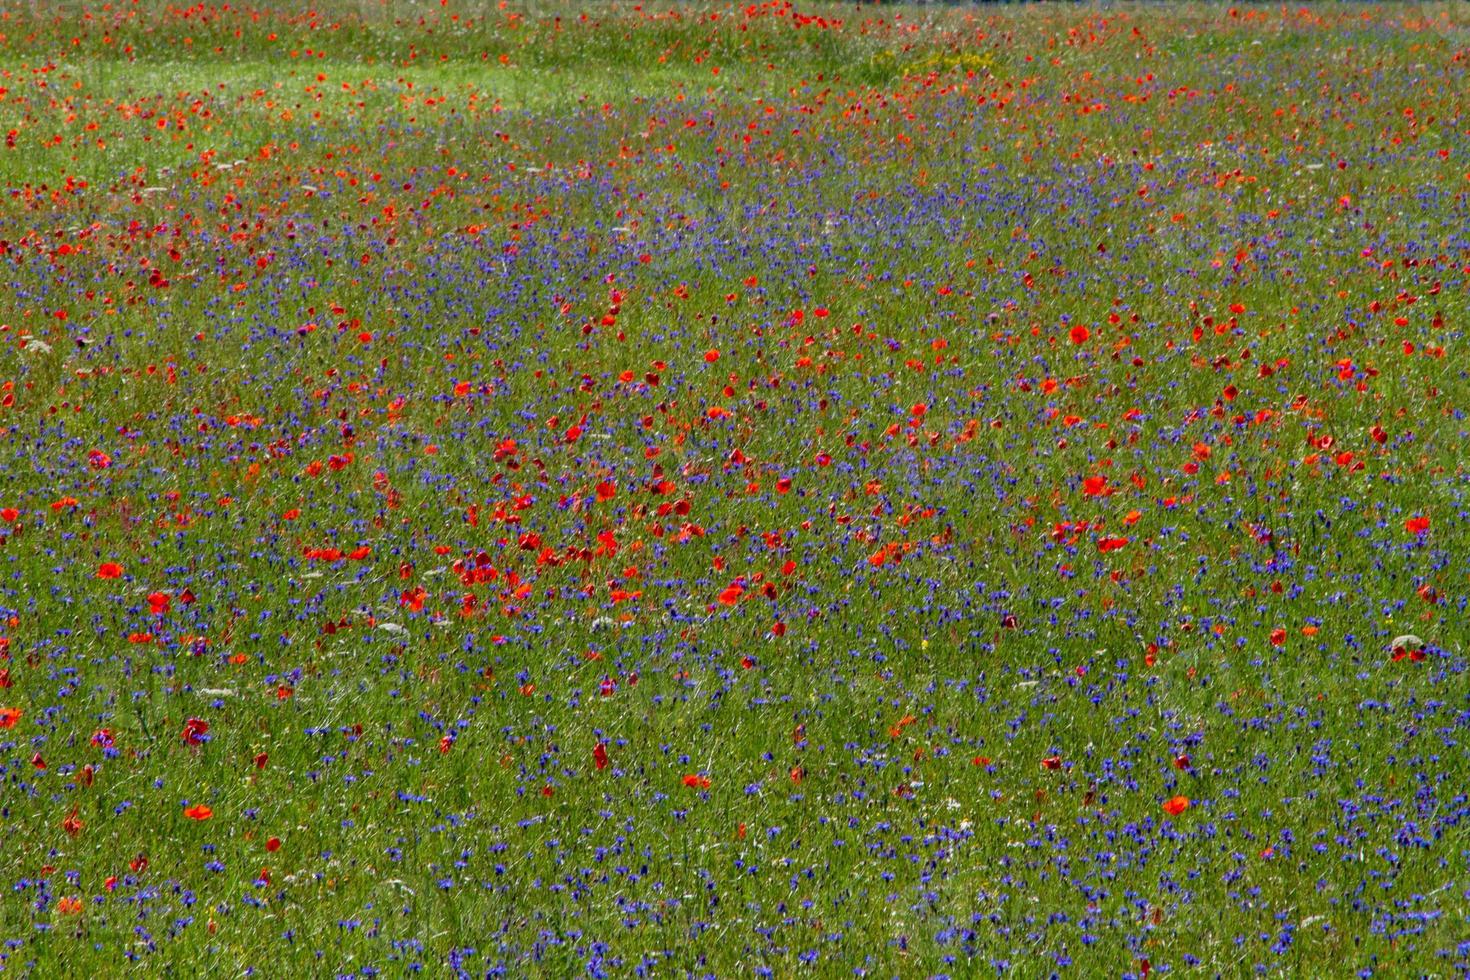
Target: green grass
[{"x": 308, "y": 313}]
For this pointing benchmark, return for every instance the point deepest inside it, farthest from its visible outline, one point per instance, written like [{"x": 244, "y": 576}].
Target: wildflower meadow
[{"x": 734, "y": 489}]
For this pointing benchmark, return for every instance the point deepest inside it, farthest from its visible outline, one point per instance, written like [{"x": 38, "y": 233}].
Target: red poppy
[
  {"x": 199, "y": 812},
  {"x": 195, "y": 730},
  {"x": 9, "y": 515},
  {"x": 1176, "y": 805},
  {"x": 1278, "y": 637},
  {"x": 1079, "y": 334},
  {"x": 1052, "y": 762},
  {"x": 273, "y": 845},
  {"x": 1416, "y": 525},
  {"x": 1096, "y": 486},
  {"x": 599, "y": 755},
  {"x": 695, "y": 781},
  {"x": 9, "y": 716},
  {"x": 159, "y": 602},
  {"x": 109, "y": 569},
  {"x": 260, "y": 760}
]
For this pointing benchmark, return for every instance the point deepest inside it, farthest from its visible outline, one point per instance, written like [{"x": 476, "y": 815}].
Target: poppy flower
[
  {"x": 1052, "y": 762},
  {"x": 695, "y": 781},
  {"x": 1176, "y": 805},
  {"x": 273, "y": 845},
  {"x": 9, "y": 716},
  {"x": 1416, "y": 525},
  {"x": 599, "y": 755},
  {"x": 1079, "y": 334},
  {"x": 194, "y": 731},
  {"x": 109, "y": 569},
  {"x": 1406, "y": 642},
  {"x": 199, "y": 812}
]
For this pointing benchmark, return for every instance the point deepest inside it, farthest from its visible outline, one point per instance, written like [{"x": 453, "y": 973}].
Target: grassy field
[{"x": 722, "y": 490}]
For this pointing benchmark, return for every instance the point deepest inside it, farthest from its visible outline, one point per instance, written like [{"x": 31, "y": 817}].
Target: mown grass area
[{"x": 734, "y": 489}]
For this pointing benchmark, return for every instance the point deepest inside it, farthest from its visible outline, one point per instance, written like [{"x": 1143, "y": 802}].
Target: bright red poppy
[
  {"x": 109, "y": 569},
  {"x": 199, "y": 812},
  {"x": 1176, "y": 805}
]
